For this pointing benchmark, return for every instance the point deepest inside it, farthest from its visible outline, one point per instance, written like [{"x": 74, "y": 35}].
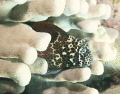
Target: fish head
[{"x": 79, "y": 53}]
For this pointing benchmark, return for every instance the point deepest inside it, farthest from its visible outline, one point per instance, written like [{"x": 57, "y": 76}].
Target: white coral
[
  {"x": 18, "y": 72},
  {"x": 24, "y": 43}
]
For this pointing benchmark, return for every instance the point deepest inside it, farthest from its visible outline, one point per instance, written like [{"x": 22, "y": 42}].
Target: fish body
[{"x": 64, "y": 51}]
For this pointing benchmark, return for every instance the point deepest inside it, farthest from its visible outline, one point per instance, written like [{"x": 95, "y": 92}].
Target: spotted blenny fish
[{"x": 64, "y": 51}]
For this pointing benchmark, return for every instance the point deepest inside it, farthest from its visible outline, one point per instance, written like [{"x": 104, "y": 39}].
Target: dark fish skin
[{"x": 64, "y": 51}]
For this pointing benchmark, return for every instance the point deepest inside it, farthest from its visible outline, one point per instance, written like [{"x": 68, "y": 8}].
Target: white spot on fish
[
  {"x": 63, "y": 47},
  {"x": 64, "y": 53},
  {"x": 72, "y": 54},
  {"x": 57, "y": 56},
  {"x": 70, "y": 39},
  {"x": 74, "y": 64},
  {"x": 70, "y": 45},
  {"x": 71, "y": 59},
  {"x": 68, "y": 65}
]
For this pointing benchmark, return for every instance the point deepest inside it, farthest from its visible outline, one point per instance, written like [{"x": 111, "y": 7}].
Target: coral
[
  {"x": 6, "y": 6},
  {"x": 32, "y": 10},
  {"x": 105, "y": 34},
  {"x": 102, "y": 51},
  {"x": 7, "y": 85},
  {"x": 70, "y": 9},
  {"x": 114, "y": 19},
  {"x": 19, "y": 72},
  {"x": 24, "y": 43},
  {"x": 112, "y": 91},
  {"x": 100, "y": 10},
  {"x": 90, "y": 25},
  {"x": 80, "y": 18},
  {"x": 40, "y": 66},
  {"x": 64, "y": 90},
  {"x": 97, "y": 68},
  {"x": 56, "y": 87},
  {"x": 94, "y": 2}
]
